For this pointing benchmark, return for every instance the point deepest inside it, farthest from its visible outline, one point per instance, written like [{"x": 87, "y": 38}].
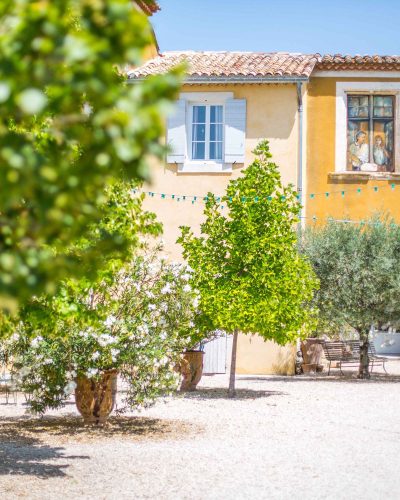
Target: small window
[
  {"x": 207, "y": 132},
  {"x": 370, "y": 133}
]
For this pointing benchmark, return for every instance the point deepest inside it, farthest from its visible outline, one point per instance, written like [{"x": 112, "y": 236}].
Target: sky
[{"x": 308, "y": 26}]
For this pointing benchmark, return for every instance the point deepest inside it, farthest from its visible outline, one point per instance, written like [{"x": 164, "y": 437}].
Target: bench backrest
[
  {"x": 333, "y": 350},
  {"x": 339, "y": 350}
]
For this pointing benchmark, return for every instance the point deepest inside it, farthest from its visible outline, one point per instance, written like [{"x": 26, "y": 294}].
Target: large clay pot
[
  {"x": 191, "y": 369},
  {"x": 95, "y": 398},
  {"x": 311, "y": 350}
]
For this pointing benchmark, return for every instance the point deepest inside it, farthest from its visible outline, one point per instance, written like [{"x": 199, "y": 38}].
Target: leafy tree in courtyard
[
  {"x": 358, "y": 266},
  {"x": 70, "y": 126},
  {"x": 247, "y": 269}
]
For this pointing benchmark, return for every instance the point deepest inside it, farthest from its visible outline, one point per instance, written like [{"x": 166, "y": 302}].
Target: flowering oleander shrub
[{"x": 137, "y": 320}]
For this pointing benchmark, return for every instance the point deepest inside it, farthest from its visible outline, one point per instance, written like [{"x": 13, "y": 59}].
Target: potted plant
[
  {"x": 312, "y": 351},
  {"x": 134, "y": 323},
  {"x": 191, "y": 369},
  {"x": 191, "y": 364}
]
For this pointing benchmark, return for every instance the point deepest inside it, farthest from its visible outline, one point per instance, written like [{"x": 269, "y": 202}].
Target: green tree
[
  {"x": 247, "y": 269},
  {"x": 70, "y": 126},
  {"x": 358, "y": 266}
]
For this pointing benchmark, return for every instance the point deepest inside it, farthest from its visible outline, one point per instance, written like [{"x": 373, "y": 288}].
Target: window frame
[
  {"x": 380, "y": 88},
  {"x": 207, "y": 141},
  {"x": 371, "y": 119},
  {"x": 190, "y": 166}
]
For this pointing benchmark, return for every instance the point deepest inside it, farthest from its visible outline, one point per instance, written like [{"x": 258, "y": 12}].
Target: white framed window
[
  {"x": 207, "y": 132},
  {"x": 367, "y": 119},
  {"x": 206, "y": 138}
]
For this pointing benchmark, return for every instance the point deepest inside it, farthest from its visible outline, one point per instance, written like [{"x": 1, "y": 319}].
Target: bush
[{"x": 137, "y": 320}]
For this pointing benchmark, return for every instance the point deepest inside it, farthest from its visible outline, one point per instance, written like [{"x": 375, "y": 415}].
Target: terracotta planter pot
[
  {"x": 94, "y": 398},
  {"x": 191, "y": 368},
  {"x": 311, "y": 350}
]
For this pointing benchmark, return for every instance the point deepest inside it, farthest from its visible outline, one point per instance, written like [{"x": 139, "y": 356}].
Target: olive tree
[
  {"x": 358, "y": 265},
  {"x": 70, "y": 126},
  {"x": 247, "y": 267}
]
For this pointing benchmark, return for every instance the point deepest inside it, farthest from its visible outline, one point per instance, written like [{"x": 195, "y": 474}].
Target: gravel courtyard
[{"x": 283, "y": 437}]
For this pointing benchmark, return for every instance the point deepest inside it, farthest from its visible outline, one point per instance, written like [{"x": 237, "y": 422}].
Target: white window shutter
[
  {"x": 176, "y": 133},
  {"x": 235, "y": 130}
]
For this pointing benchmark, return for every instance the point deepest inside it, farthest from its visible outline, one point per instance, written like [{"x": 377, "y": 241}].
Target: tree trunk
[
  {"x": 363, "y": 371},
  {"x": 231, "y": 391}
]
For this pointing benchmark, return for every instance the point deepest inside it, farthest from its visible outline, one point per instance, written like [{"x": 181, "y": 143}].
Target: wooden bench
[
  {"x": 340, "y": 353},
  {"x": 348, "y": 353},
  {"x": 375, "y": 358}
]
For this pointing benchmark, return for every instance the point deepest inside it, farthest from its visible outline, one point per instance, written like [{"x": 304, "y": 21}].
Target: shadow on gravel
[
  {"x": 23, "y": 455},
  {"x": 32, "y": 432},
  {"x": 348, "y": 377},
  {"x": 241, "y": 394}
]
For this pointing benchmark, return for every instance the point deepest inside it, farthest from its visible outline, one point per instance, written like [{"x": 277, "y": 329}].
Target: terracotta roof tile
[
  {"x": 245, "y": 65},
  {"x": 149, "y": 7},
  {"x": 248, "y": 65},
  {"x": 338, "y": 62}
]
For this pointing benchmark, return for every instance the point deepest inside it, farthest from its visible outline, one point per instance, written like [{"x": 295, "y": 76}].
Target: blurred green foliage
[{"x": 70, "y": 126}]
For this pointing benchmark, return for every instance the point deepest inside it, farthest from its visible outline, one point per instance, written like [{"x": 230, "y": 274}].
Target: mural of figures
[{"x": 370, "y": 132}]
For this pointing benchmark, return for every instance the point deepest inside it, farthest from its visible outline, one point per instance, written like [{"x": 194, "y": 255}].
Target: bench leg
[
  {"x": 340, "y": 368},
  {"x": 329, "y": 369},
  {"x": 383, "y": 364},
  {"x": 372, "y": 367}
]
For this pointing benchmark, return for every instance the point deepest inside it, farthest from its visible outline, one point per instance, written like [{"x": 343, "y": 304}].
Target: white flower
[
  {"x": 187, "y": 288},
  {"x": 191, "y": 324},
  {"x": 36, "y": 341},
  {"x": 95, "y": 355},
  {"x": 166, "y": 289},
  {"x": 104, "y": 340},
  {"x": 14, "y": 337},
  {"x": 70, "y": 375},
  {"x": 152, "y": 307},
  {"x": 114, "y": 354},
  {"x": 149, "y": 294},
  {"x": 185, "y": 277},
  {"x": 163, "y": 335},
  {"x": 47, "y": 361},
  {"x": 110, "y": 321},
  {"x": 24, "y": 371},
  {"x": 196, "y": 302},
  {"x": 92, "y": 372}
]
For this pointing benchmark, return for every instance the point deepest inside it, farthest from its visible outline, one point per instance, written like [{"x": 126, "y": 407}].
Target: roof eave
[
  {"x": 192, "y": 80},
  {"x": 246, "y": 79}
]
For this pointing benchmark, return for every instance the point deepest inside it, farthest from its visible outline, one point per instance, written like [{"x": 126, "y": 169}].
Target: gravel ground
[{"x": 282, "y": 437}]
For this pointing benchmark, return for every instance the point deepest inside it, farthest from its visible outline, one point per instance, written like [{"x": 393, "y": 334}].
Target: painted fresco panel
[{"x": 370, "y": 133}]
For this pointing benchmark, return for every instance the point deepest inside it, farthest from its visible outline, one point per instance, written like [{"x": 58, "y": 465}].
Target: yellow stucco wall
[
  {"x": 272, "y": 360},
  {"x": 320, "y": 161},
  {"x": 272, "y": 114}
]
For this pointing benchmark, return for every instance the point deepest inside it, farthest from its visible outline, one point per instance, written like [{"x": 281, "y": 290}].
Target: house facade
[{"x": 332, "y": 123}]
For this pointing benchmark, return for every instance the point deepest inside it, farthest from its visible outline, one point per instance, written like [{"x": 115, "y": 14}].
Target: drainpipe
[
  {"x": 300, "y": 152},
  {"x": 300, "y": 178}
]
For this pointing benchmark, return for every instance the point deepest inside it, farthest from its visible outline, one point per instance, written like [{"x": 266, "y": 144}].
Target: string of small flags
[{"x": 245, "y": 199}]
